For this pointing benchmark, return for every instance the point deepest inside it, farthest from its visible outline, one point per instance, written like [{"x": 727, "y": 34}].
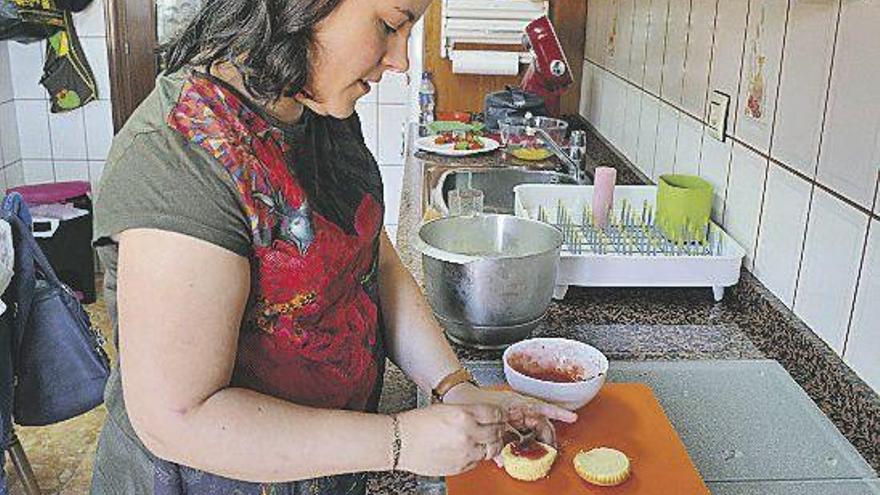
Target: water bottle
[{"x": 427, "y": 99}]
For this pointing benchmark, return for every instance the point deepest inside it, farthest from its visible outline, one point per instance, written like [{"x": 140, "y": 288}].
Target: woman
[{"x": 258, "y": 295}]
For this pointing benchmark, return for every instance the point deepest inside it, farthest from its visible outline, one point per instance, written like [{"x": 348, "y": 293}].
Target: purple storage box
[{"x": 59, "y": 192}]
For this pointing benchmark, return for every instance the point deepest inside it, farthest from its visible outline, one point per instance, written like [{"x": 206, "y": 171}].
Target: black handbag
[
  {"x": 29, "y": 20},
  {"x": 59, "y": 364},
  {"x": 73, "y": 5}
]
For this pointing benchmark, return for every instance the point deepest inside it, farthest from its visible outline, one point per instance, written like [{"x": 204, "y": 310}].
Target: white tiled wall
[
  {"x": 744, "y": 193},
  {"x": 804, "y": 82},
  {"x": 830, "y": 266},
  {"x": 864, "y": 337},
  {"x": 783, "y": 221},
  {"x": 760, "y": 71},
  {"x": 383, "y": 113},
  {"x": 37, "y": 146},
  {"x": 798, "y": 187},
  {"x": 851, "y": 147},
  {"x": 699, "y": 55}
]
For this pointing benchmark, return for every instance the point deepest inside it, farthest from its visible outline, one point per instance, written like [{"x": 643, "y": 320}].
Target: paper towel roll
[{"x": 485, "y": 62}]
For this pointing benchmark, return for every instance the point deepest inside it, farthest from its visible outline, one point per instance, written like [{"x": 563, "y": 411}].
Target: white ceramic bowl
[{"x": 552, "y": 352}]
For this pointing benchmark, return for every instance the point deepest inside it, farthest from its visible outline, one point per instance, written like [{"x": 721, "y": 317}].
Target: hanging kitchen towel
[
  {"x": 29, "y": 20},
  {"x": 59, "y": 364},
  {"x": 67, "y": 75}
]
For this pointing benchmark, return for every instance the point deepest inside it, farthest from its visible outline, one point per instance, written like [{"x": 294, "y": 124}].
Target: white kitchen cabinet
[
  {"x": 369, "y": 115},
  {"x": 392, "y": 119},
  {"x": 392, "y": 233},
  {"x": 392, "y": 179},
  {"x": 394, "y": 89}
]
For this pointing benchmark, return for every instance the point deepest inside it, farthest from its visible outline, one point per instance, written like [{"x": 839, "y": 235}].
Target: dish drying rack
[{"x": 631, "y": 250}]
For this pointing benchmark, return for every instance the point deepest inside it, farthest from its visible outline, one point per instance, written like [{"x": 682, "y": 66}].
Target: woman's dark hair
[{"x": 267, "y": 40}]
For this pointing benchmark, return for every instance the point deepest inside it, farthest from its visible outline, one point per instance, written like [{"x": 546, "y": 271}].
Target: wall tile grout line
[
  {"x": 632, "y": 23},
  {"x": 705, "y": 105},
  {"x": 645, "y": 58},
  {"x": 709, "y": 75},
  {"x": 772, "y": 131},
  {"x": 735, "y": 120},
  {"x": 742, "y": 57},
  {"x": 852, "y": 309},
  {"x": 762, "y": 154},
  {"x": 687, "y": 43},
  {"x": 681, "y": 83},
  {"x": 814, "y": 183},
  {"x": 665, "y": 45}
]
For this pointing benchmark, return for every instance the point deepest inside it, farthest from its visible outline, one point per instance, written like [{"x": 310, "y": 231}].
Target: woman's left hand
[{"x": 524, "y": 413}]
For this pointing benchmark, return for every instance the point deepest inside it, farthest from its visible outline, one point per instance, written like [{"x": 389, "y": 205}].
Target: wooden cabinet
[{"x": 466, "y": 92}]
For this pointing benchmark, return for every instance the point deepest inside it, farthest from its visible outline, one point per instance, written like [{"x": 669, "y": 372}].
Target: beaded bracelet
[{"x": 396, "y": 443}]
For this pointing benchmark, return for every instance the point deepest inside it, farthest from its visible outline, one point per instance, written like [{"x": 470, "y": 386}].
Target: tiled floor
[{"x": 61, "y": 455}]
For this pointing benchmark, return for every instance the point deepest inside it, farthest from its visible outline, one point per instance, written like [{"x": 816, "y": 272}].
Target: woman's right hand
[{"x": 445, "y": 440}]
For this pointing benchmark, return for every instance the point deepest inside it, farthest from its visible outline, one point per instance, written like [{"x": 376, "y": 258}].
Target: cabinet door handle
[{"x": 403, "y": 140}]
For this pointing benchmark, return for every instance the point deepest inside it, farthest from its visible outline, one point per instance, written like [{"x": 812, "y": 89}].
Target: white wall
[
  {"x": 38, "y": 146},
  {"x": 383, "y": 113},
  {"x": 797, "y": 186}
]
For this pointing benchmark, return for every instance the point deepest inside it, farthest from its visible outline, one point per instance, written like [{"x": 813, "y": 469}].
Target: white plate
[{"x": 427, "y": 144}]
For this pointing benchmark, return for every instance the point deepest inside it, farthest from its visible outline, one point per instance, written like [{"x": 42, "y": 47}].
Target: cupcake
[
  {"x": 529, "y": 461},
  {"x": 602, "y": 466}
]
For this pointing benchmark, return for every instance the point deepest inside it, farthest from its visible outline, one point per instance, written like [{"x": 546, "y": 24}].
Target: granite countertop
[{"x": 661, "y": 324}]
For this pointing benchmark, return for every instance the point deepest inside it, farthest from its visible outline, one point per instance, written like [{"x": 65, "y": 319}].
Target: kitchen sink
[{"x": 496, "y": 183}]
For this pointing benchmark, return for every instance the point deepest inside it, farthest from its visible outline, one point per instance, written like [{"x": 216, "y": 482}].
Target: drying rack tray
[{"x": 631, "y": 251}]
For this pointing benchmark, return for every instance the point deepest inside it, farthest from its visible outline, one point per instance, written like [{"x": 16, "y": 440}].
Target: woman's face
[{"x": 355, "y": 45}]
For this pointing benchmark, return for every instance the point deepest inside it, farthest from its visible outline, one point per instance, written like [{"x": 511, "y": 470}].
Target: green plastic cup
[{"x": 684, "y": 207}]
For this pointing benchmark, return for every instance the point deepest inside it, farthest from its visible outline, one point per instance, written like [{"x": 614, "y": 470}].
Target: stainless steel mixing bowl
[{"x": 489, "y": 278}]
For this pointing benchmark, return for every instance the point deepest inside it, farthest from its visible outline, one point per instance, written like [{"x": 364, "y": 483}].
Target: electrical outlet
[{"x": 719, "y": 104}]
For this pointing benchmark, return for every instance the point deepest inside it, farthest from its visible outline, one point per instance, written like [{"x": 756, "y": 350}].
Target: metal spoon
[{"x": 524, "y": 438}]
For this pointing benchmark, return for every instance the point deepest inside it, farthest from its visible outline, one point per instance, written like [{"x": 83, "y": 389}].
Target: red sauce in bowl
[
  {"x": 569, "y": 373},
  {"x": 529, "y": 450}
]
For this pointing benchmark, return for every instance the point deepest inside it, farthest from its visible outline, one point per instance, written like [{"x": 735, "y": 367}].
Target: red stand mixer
[{"x": 549, "y": 74}]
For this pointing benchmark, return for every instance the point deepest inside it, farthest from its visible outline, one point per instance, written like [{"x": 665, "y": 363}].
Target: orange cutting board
[{"x": 624, "y": 416}]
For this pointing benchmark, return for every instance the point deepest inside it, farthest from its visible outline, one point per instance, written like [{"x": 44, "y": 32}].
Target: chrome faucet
[{"x": 574, "y": 168}]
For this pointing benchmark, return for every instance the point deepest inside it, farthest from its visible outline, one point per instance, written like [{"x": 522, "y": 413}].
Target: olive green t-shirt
[{"x": 154, "y": 178}]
